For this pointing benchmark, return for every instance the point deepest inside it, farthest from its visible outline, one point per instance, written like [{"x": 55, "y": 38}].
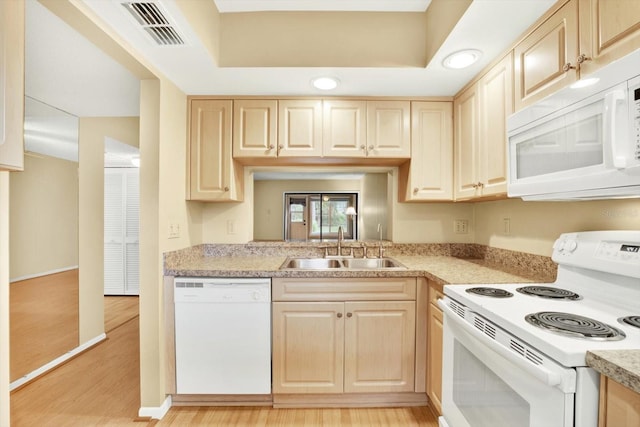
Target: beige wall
[
  {"x": 535, "y": 225},
  {"x": 44, "y": 216},
  {"x": 91, "y": 134}
]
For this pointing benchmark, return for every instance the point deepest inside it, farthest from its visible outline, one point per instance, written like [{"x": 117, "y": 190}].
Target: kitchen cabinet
[
  {"x": 480, "y": 115},
  {"x": 212, "y": 173},
  {"x": 434, "y": 348},
  {"x": 344, "y": 128},
  {"x": 388, "y": 129},
  {"x": 12, "y": 24},
  {"x": 372, "y": 129},
  {"x": 580, "y": 37},
  {"x": 609, "y": 29},
  {"x": 300, "y": 128},
  {"x": 545, "y": 60},
  {"x": 255, "y": 128},
  {"x": 428, "y": 176},
  {"x": 619, "y": 405},
  {"x": 344, "y": 336}
]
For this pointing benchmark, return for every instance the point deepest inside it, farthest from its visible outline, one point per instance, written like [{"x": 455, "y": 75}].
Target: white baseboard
[
  {"x": 155, "y": 412},
  {"x": 56, "y": 362},
  {"x": 44, "y": 273}
]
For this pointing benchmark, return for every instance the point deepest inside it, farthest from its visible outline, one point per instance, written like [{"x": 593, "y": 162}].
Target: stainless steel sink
[
  {"x": 341, "y": 263},
  {"x": 368, "y": 263},
  {"x": 311, "y": 264}
]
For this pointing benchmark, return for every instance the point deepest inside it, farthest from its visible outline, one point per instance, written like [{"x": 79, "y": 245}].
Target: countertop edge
[{"x": 622, "y": 366}]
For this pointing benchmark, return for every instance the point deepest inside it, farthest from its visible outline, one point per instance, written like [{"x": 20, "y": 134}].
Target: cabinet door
[
  {"x": 540, "y": 59},
  {"x": 609, "y": 29},
  {"x": 344, "y": 131},
  {"x": 466, "y": 144},
  {"x": 308, "y": 347},
  {"x": 254, "y": 128},
  {"x": 212, "y": 174},
  {"x": 429, "y": 174},
  {"x": 12, "y": 85},
  {"x": 619, "y": 405},
  {"x": 388, "y": 129},
  {"x": 496, "y": 103},
  {"x": 299, "y": 128},
  {"x": 434, "y": 351},
  {"x": 379, "y": 354}
]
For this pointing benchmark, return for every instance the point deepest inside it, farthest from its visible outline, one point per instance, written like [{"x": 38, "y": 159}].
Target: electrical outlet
[
  {"x": 231, "y": 226},
  {"x": 461, "y": 226},
  {"x": 174, "y": 230},
  {"x": 506, "y": 226}
]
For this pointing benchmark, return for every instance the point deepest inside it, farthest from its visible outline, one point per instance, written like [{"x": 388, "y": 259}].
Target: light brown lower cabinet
[
  {"x": 619, "y": 405},
  {"x": 434, "y": 348},
  {"x": 344, "y": 346}
]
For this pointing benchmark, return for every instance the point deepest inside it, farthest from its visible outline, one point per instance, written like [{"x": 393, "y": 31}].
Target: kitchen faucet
[
  {"x": 340, "y": 239},
  {"x": 380, "y": 248}
]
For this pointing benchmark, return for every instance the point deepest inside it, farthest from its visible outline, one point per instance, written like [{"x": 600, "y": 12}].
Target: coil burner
[
  {"x": 549, "y": 292},
  {"x": 574, "y": 325},
  {"x": 630, "y": 320},
  {"x": 490, "y": 292}
]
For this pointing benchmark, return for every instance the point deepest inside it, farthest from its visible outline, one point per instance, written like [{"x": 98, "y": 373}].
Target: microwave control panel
[{"x": 635, "y": 112}]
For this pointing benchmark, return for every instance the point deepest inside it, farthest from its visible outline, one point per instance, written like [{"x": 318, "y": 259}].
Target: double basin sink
[{"x": 341, "y": 264}]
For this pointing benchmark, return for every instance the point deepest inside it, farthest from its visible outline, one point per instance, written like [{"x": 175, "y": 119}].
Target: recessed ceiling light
[
  {"x": 584, "y": 83},
  {"x": 325, "y": 83},
  {"x": 461, "y": 58}
]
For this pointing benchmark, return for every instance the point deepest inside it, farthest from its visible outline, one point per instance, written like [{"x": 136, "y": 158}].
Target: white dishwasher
[{"x": 223, "y": 335}]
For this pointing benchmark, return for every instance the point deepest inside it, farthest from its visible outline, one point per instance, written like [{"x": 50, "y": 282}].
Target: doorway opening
[{"x": 318, "y": 216}]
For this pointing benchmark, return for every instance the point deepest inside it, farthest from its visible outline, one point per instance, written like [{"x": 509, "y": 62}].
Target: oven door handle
[{"x": 539, "y": 372}]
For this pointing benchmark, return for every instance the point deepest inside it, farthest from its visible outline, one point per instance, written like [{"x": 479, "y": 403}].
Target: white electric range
[{"x": 514, "y": 354}]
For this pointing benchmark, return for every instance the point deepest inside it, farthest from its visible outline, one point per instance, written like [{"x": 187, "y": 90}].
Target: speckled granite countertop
[
  {"x": 442, "y": 263},
  {"x": 622, "y": 366}
]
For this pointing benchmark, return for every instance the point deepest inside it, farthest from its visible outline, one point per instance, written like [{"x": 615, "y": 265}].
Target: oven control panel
[{"x": 616, "y": 252}]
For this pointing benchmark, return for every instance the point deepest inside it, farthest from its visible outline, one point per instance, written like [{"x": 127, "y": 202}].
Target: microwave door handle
[
  {"x": 617, "y": 142},
  {"x": 540, "y": 372}
]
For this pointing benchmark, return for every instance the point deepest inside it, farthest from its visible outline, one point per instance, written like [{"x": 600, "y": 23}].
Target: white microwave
[{"x": 580, "y": 143}]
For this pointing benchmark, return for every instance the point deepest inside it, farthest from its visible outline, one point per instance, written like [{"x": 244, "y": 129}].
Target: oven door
[{"x": 483, "y": 385}]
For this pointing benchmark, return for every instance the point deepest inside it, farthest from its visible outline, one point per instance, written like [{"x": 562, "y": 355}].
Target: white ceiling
[{"x": 67, "y": 72}]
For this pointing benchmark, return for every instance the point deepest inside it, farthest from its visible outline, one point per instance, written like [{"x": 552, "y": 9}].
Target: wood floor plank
[
  {"x": 43, "y": 320},
  {"x": 118, "y": 310}
]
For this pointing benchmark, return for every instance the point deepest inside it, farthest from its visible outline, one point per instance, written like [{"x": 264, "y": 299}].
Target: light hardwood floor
[
  {"x": 101, "y": 388},
  {"x": 43, "y": 320}
]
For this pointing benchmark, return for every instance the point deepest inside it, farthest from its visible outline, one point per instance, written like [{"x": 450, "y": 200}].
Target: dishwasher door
[{"x": 223, "y": 336}]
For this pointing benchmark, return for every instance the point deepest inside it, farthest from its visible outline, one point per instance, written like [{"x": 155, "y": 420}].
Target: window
[{"x": 318, "y": 216}]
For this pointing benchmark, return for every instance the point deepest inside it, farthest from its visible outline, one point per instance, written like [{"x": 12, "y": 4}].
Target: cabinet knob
[
  {"x": 581, "y": 58},
  {"x": 371, "y": 148},
  {"x": 415, "y": 190},
  {"x": 226, "y": 188},
  {"x": 271, "y": 147},
  {"x": 480, "y": 185},
  {"x": 363, "y": 147},
  {"x": 349, "y": 314},
  {"x": 280, "y": 147},
  {"x": 568, "y": 67},
  {"x": 339, "y": 315}
]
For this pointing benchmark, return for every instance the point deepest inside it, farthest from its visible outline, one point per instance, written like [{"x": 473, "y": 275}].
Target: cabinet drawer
[
  {"x": 340, "y": 289},
  {"x": 435, "y": 293}
]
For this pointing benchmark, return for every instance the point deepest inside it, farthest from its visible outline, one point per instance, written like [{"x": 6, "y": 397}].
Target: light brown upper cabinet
[
  {"x": 212, "y": 174},
  {"x": 376, "y": 129},
  {"x": 545, "y": 60},
  {"x": 609, "y": 29},
  {"x": 388, "y": 129},
  {"x": 12, "y": 15},
  {"x": 344, "y": 128},
  {"x": 480, "y": 134},
  {"x": 254, "y": 128},
  {"x": 300, "y": 128},
  {"x": 579, "y": 38},
  {"x": 429, "y": 174}
]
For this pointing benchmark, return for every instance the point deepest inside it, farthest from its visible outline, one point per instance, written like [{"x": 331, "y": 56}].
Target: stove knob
[{"x": 571, "y": 246}]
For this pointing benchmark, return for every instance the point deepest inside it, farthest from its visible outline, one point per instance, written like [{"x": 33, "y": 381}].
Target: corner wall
[
  {"x": 4, "y": 299},
  {"x": 91, "y": 134}
]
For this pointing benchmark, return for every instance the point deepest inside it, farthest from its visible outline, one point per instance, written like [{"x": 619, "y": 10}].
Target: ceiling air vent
[{"x": 154, "y": 22}]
